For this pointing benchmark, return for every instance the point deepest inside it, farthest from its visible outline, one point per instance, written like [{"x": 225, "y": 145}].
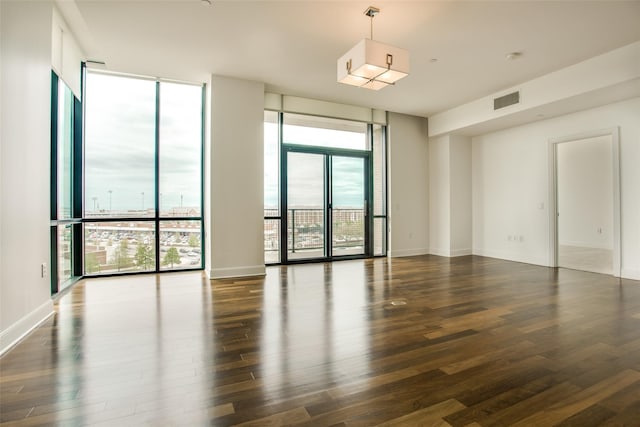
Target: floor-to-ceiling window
[
  {"x": 379, "y": 149},
  {"x": 143, "y": 175},
  {"x": 325, "y": 188},
  {"x": 66, "y": 146},
  {"x": 271, "y": 187}
]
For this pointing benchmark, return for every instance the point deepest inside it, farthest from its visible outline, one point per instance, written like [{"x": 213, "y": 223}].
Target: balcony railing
[{"x": 306, "y": 229}]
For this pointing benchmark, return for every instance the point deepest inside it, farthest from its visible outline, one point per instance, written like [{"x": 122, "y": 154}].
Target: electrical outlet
[
  {"x": 43, "y": 270},
  {"x": 509, "y": 238},
  {"x": 521, "y": 238}
]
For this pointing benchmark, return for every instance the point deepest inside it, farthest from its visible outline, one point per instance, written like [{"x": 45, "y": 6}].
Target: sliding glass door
[{"x": 326, "y": 204}]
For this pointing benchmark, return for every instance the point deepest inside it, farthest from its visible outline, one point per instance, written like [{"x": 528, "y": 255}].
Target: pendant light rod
[{"x": 371, "y": 12}]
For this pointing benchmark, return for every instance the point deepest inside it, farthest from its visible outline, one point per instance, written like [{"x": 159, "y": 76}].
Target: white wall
[
  {"x": 66, "y": 55},
  {"x": 591, "y": 80},
  {"x": 585, "y": 202},
  {"x": 439, "y": 218},
  {"x": 236, "y": 223},
  {"x": 511, "y": 184},
  {"x": 408, "y": 183},
  {"x": 450, "y": 195},
  {"x": 25, "y": 49},
  {"x": 460, "y": 195}
]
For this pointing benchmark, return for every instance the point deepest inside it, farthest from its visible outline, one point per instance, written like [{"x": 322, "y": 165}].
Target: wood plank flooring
[
  {"x": 595, "y": 260},
  {"x": 417, "y": 341}
]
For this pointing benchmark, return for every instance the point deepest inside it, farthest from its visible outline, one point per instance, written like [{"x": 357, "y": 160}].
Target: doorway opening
[{"x": 585, "y": 202}]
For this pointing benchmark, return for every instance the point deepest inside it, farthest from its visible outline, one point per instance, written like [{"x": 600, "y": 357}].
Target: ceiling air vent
[{"x": 506, "y": 100}]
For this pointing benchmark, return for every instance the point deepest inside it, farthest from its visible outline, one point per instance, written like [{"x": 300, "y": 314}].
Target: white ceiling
[{"x": 292, "y": 46}]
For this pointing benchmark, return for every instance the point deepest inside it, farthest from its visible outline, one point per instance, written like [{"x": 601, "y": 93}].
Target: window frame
[
  {"x": 369, "y": 154},
  {"x": 75, "y": 220}
]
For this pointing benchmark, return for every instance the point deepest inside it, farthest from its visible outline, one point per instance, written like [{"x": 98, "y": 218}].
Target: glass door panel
[
  {"x": 306, "y": 206},
  {"x": 348, "y": 214}
]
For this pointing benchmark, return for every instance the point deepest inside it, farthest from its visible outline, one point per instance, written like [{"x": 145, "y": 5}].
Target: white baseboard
[
  {"x": 589, "y": 245},
  {"x": 626, "y": 273},
  {"x": 231, "y": 272},
  {"x": 511, "y": 257},
  {"x": 20, "y": 329},
  {"x": 408, "y": 252},
  {"x": 460, "y": 252},
  {"x": 451, "y": 253},
  {"x": 439, "y": 252}
]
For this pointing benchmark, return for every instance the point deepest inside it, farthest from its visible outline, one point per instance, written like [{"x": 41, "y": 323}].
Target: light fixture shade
[{"x": 373, "y": 65}]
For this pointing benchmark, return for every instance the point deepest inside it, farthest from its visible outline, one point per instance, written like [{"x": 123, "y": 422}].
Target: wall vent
[{"x": 506, "y": 100}]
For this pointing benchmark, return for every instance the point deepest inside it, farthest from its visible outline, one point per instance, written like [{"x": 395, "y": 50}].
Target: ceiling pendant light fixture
[{"x": 372, "y": 64}]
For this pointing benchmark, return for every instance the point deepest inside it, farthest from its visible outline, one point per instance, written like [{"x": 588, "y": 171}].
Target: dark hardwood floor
[{"x": 426, "y": 340}]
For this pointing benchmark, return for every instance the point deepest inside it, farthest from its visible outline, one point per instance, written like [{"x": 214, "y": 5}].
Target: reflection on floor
[
  {"x": 424, "y": 340},
  {"x": 319, "y": 253},
  {"x": 595, "y": 260},
  {"x": 273, "y": 257}
]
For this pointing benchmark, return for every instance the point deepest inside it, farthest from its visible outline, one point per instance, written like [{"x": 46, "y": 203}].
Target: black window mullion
[
  {"x": 54, "y": 147},
  {"x": 53, "y": 270},
  {"x": 328, "y": 206},
  {"x": 53, "y": 214},
  {"x": 202, "y": 162},
  {"x": 385, "y": 150},
  {"x": 369, "y": 195},
  {"x": 284, "y": 214},
  {"x": 77, "y": 238},
  {"x": 77, "y": 245},
  {"x": 157, "y": 179},
  {"x": 76, "y": 162}
]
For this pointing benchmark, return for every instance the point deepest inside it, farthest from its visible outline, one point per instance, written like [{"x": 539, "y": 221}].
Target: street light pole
[
  {"x": 142, "y": 193},
  {"x": 110, "y": 191}
]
